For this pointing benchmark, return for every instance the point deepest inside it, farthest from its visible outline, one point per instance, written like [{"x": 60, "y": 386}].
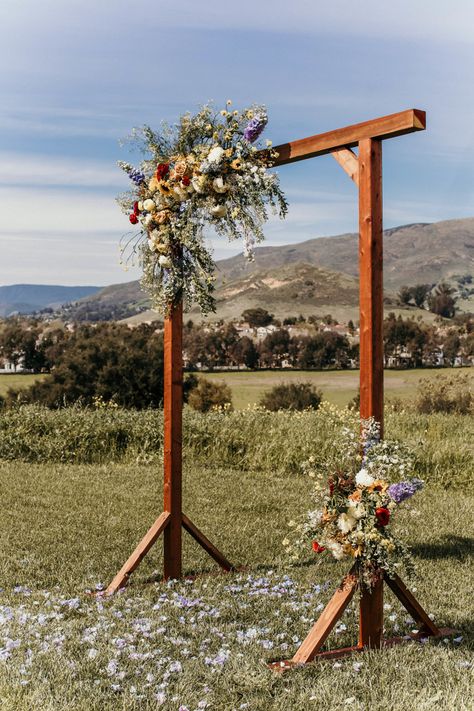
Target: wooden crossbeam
[
  {"x": 380, "y": 128},
  {"x": 203, "y": 541}
]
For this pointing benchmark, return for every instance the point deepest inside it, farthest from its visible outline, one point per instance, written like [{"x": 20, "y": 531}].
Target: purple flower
[
  {"x": 404, "y": 489},
  {"x": 255, "y": 127}
]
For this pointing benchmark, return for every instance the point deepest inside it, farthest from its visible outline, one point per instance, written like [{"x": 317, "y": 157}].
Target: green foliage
[
  {"x": 292, "y": 396},
  {"x": 442, "y": 301},
  {"x": 110, "y": 362},
  {"x": 207, "y": 395},
  {"x": 257, "y": 317},
  {"x": 445, "y": 394}
]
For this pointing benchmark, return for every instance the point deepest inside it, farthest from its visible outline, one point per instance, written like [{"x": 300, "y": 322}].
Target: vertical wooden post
[
  {"x": 173, "y": 411},
  {"x": 371, "y": 338},
  {"x": 371, "y": 280}
]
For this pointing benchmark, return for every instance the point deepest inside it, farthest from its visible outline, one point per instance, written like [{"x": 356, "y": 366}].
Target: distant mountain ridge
[
  {"x": 26, "y": 298},
  {"x": 278, "y": 277}
]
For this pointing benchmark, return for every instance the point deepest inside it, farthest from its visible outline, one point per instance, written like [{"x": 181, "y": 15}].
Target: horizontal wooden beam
[{"x": 348, "y": 137}]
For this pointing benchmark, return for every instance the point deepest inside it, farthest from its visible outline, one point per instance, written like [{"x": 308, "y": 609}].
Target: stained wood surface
[
  {"x": 349, "y": 162},
  {"x": 173, "y": 426},
  {"x": 328, "y": 618},
  {"x": 140, "y": 552},
  {"x": 206, "y": 544},
  {"x": 371, "y": 280},
  {"x": 371, "y": 616},
  {"x": 380, "y": 128},
  {"x": 412, "y": 605}
]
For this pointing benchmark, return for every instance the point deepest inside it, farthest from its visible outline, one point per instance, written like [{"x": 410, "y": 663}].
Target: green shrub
[
  {"x": 206, "y": 395},
  {"x": 292, "y": 396},
  {"x": 445, "y": 393}
]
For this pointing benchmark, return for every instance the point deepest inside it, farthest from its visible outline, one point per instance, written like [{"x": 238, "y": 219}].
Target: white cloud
[{"x": 47, "y": 170}]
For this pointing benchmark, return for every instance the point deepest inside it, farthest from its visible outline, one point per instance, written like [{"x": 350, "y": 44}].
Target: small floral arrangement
[
  {"x": 355, "y": 505},
  {"x": 207, "y": 171}
]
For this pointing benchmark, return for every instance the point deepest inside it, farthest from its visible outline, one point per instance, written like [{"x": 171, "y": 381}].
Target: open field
[
  {"x": 16, "y": 381},
  {"x": 338, "y": 386},
  {"x": 204, "y": 644}
]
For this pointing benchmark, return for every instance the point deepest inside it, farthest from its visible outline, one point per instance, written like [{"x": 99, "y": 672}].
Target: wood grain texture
[
  {"x": 412, "y": 606},
  {"x": 380, "y": 128},
  {"x": 173, "y": 426},
  {"x": 349, "y": 162},
  {"x": 371, "y": 280},
  {"x": 371, "y": 616},
  {"x": 139, "y": 553},
  {"x": 206, "y": 544},
  {"x": 326, "y": 621}
]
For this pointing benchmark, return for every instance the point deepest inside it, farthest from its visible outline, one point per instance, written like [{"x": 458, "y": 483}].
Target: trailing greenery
[{"x": 253, "y": 439}]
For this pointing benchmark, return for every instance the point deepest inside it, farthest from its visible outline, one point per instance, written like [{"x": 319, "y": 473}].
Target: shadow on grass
[{"x": 459, "y": 547}]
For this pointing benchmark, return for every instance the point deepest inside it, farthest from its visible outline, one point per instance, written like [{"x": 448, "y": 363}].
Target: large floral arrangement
[
  {"x": 356, "y": 503},
  {"x": 208, "y": 170}
]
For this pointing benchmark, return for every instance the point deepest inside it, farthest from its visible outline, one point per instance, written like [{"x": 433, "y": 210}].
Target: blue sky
[{"x": 77, "y": 75}]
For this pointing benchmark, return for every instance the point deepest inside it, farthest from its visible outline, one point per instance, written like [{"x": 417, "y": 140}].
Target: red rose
[
  {"x": 186, "y": 181},
  {"x": 331, "y": 488},
  {"x": 136, "y": 211},
  {"x": 382, "y": 515},
  {"x": 162, "y": 170},
  {"x": 317, "y": 548},
  {"x": 133, "y": 218}
]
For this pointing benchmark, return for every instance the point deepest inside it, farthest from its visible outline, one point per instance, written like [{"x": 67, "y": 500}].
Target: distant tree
[
  {"x": 351, "y": 327},
  {"x": 257, "y": 317},
  {"x": 292, "y": 396},
  {"x": 404, "y": 333},
  {"x": 442, "y": 301},
  {"x": 274, "y": 348},
  {"x": 244, "y": 352},
  {"x": 107, "y": 361},
  {"x": 207, "y": 395},
  {"x": 324, "y": 350},
  {"x": 405, "y": 295},
  {"x": 451, "y": 347},
  {"x": 290, "y": 321},
  {"x": 419, "y": 293}
]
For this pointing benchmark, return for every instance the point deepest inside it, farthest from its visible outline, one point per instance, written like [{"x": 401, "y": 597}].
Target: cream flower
[
  {"x": 335, "y": 548},
  {"x": 216, "y": 154},
  {"x": 164, "y": 261},
  {"x": 218, "y": 210},
  {"x": 346, "y": 523},
  {"x": 363, "y": 478},
  {"x": 149, "y": 205},
  {"x": 199, "y": 183},
  {"x": 356, "y": 510},
  {"x": 219, "y": 185}
]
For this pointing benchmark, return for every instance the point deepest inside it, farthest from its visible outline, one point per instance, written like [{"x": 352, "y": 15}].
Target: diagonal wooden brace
[
  {"x": 328, "y": 618},
  {"x": 139, "y": 553},
  {"x": 349, "y": 162}
]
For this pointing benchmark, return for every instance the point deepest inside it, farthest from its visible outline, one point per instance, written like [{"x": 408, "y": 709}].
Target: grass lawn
[
  {"x": 17, "y": 380},
  {"x": 204, "y": 643},
  {"x": 338, "y": 386}
]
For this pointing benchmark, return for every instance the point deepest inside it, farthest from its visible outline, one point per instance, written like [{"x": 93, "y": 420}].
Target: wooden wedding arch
[{"x": 365, "y": 169}]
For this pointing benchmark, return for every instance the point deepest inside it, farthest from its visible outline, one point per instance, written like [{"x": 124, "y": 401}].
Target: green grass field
[
  {"x": 204, "y": 644},
  {"x": 338, "y": 386},
  {"x": 16, "y": 381}
]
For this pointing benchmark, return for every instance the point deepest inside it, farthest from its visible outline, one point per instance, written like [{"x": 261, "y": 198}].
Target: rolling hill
[{"x": 316, "y": 276}]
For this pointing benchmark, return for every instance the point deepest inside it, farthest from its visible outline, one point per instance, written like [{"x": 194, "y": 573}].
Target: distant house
[{"x": 7, "y": 366}]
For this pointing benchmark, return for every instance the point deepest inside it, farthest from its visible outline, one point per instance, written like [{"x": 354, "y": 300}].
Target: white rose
[
  {"x": 219, "y": 185},
  {"x": 199, "y": 183},
  {"x": 356, "y": 510},
  {"x": 336, "y": 549},
  {"x": 363, "y": 478},
  {"x": 148, "y": 219},
  {"x": 149, "y": 205},
  {"x": 346, "y": 523},
  {"x": 218, "y": 210},
  {"x": 140, "y": 205},
  {"x": 164, "y": 261},
  {"x": 215, "y": 155}
]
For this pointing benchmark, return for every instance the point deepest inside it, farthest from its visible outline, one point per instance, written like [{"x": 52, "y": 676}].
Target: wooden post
[
  {"x": 173, "y": 427},
  {"x": 371, "y": 280},
  {"x": 371, "y": 338}
]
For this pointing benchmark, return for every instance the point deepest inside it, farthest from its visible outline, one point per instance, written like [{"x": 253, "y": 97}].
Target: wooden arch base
[
  {"x": 172, "y": 520},
  {"x": 370, "y": 622}
]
